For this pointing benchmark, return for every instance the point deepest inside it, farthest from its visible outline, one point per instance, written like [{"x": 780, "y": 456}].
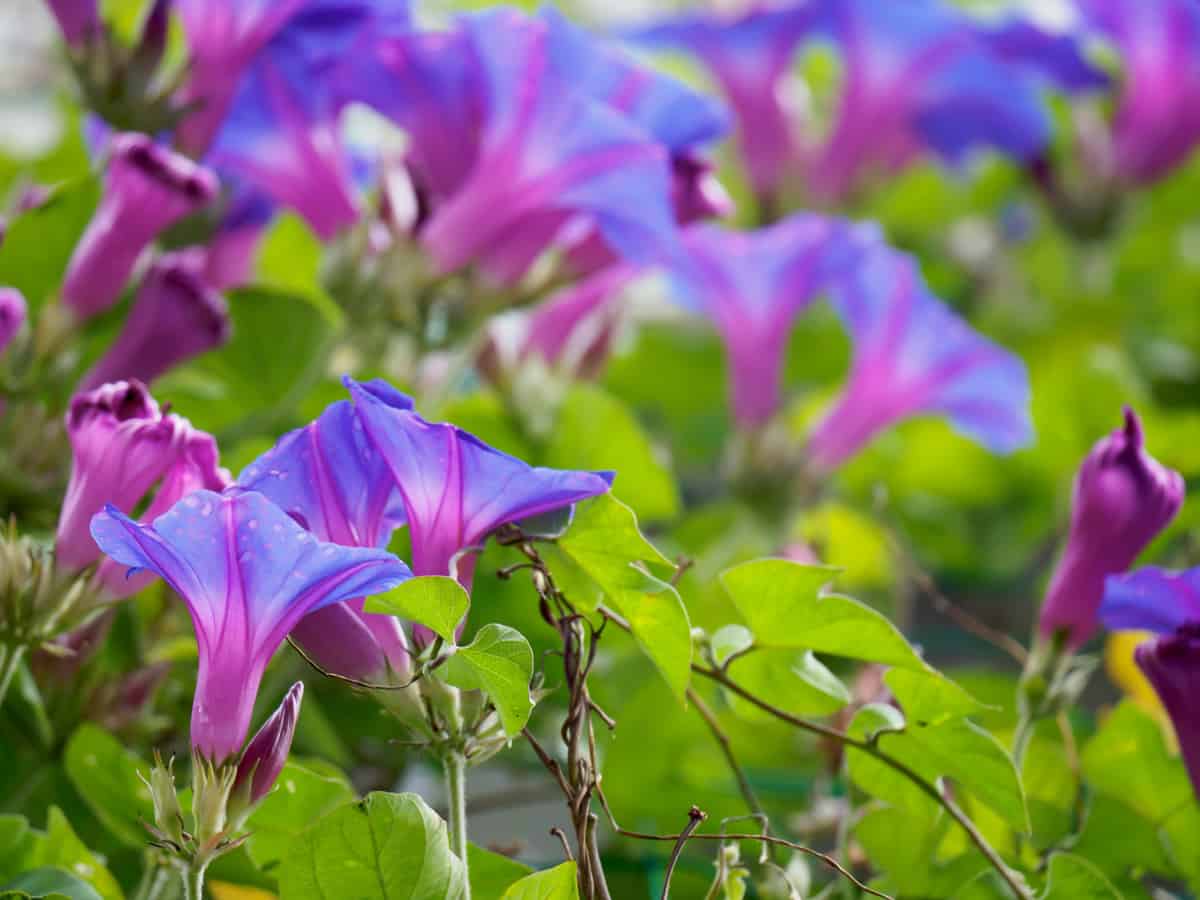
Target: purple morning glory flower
[
  {"x": 265, "y": 756},
  {"x": 248, "y": 573},
  {"x": 146, "y": 189},
  {"x": 329, "y": 479},
  {"x": 1168, "y": 604},
  {"x": 922, "y": 75},
  {"x": 122, "y": 446},
  {"x": 175, "y": 316},
  {"x": 752, "y": 286},
  {"x": 79, "y": 20},
  {"x": 1123, "y": 498},
  {"x": 505, "y": 152},
  {"x": 456, "y": 489},
  {"x": 270, "y": 81},
  {"x": 229, "y": 257},
  {"x": 1158, "y": 117},
  {"x": 12, "y": 315},
  {"x": 750, "y": 56},
  {"x": 914, "y": 356}
]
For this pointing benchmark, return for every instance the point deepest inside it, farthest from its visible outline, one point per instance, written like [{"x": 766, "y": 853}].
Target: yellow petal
[{"x": 1125, "y": 674}]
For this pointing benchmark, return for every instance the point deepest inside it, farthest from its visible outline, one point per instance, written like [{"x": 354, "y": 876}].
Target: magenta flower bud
[
  {"x": 12, "y": 315},
  {"x": 176, "y": 315},
  {"x": 79, "y": 20},
  {"x": 147, "y": 188},
  {"x": 1123, "y": 498},
  {"x": 265, "y": 755},
  {"x": 122, "y": 446},
  {"x": 1172, "y": 664}
]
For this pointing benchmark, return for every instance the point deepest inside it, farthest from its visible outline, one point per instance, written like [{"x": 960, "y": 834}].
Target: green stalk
[
  {"x": 455, "y": 766},
  {"x": 10, "y": 662}
]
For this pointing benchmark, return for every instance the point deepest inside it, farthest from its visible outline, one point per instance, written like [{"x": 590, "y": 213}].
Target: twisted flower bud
[{"x": 1123, "y": 498}]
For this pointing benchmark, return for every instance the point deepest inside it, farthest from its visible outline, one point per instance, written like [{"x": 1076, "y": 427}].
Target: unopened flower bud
[{"x": 1123, "y": 498}]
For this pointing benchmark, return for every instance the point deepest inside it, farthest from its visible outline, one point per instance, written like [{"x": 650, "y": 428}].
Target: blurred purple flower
[
  {"x": 1123, "y": 498},
  {"x": 506, "y": 153},
  {"x": 912, "y": 356},
  {"x": 270, "y": 80},
  {"x": 175, "y": 316},
  {"x": 12, "y": 315},
  {"x": 1168, "y": 604},
  {"x": 146, "y": 189},
  {"x": 456, "y": 489},
  {"x": 750, "y": 56},
  {"x": 248, "y": 573},
  {"x": 329, "y": 479},
  {"x": 265, "y": 755},
  {"x": 79, "y": 20},
  {"x": 753, "y": 286},
  {"x": 1158, "y": 117},
  {"x": 229, "y": 256},
  {"x": 122, "y": 446},
  {"x": 922, "y": 75}
]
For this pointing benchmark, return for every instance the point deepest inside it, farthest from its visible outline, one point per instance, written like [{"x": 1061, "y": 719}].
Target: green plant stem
[
  {"x": 10, "y": 661},
  {"x": 193, "y": 881},
  {"x": 1010, "y": 878},
  {"x": 1024, "y": 733},
  {"x": 455, "y": 767}
]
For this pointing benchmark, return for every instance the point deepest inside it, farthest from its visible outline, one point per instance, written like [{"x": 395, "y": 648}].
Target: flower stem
[
  {"x": 455, "y": 766},
  {"x": 193, "y": 881},
  {"x": 10, "y": 661}
]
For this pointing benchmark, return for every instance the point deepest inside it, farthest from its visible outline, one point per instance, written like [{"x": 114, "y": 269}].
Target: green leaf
[
  {"x": 237, "y": 389},
  {"x": 553, "y": 884},
  {"x": 289, "y": 261},
  {"x": 51, "y": 884},
  {"x": 437, "y": 601},
  {"x": 17, "y": 844},
  {"x": 1128, "y": 759},
  {"x": 605, "y": 542},
  {"x": 596, "y": 431},
  {"x": 301, "y": 796},
  {"x": 957, "y": 748},
  {"x": 660, "y": 625},
  {"x": 106, "y": 776},
  {"x": 61, "y": 848},
  {"x": 491, "y": 873},
  {"x": 603, "y": 556},
  {"x": 730, "y": 641},
  {"x": 795, "y": 681},
  {"x": 498, "y": 662},
  {"x": 930, "y": 697},
  {"x": 38, "y": 243},
  {"x": 385, "y": 847},
  {"x": 1116, "y": 839},
  {"x": 1074, "y": 878},
  {"x": 782, "y": 603}
]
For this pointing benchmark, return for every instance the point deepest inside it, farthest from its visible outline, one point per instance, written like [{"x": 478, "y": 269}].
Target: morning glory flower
[
  {"x": 505, "y": 152},
  {"x": 753, "y": 286},
  {"x": 146, "y": 189},
  {"x": 175, "y": 316},
  {"x": 682, "y": 120},
  {"x": 913, "y": 356},
  {"x": 456, "y": 489},
  {"x": 329, "y": 479},
  {"x": 229, "y": 257},
  {"x": 750, "y": 57},
  {"x": 122, "y": 446},
  {"x": 921, "y": 76},
  {"x": 1167, "y": 604},
  {"x": 1123, "y": 498},
  {"x": 12, "y": 315},
  {"x": 269, "y": 81},
  {"x": 79, "y": 20},
  {"x": 571, "y": 332},
  {"x": 1157, "y": 121},
  {"x": 248, "y": 573}
]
